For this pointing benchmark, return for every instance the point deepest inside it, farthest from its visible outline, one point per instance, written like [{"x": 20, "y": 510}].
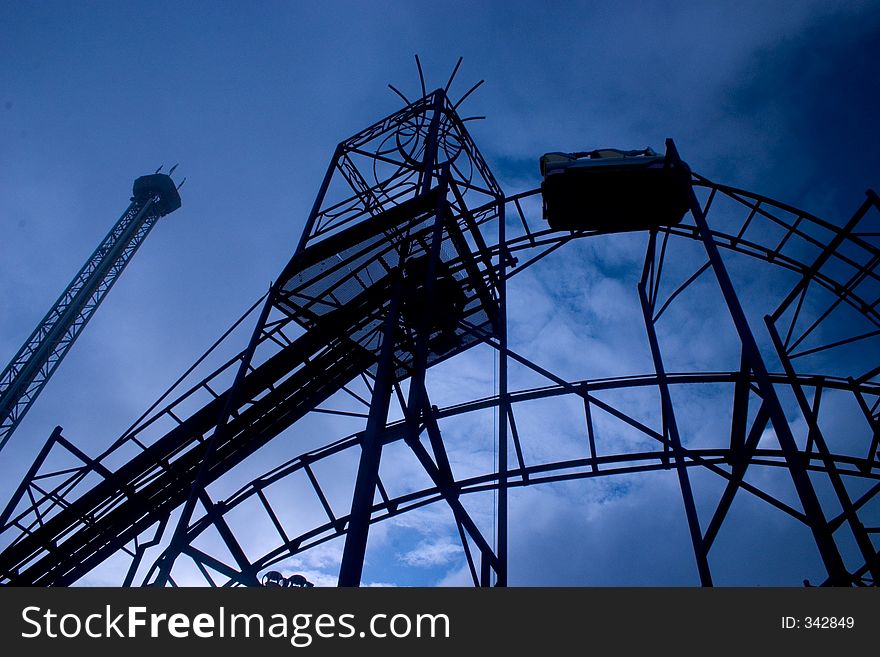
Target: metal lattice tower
[
  {"x": 404, "y": 266},
  {"x": 26, "y": 375}
]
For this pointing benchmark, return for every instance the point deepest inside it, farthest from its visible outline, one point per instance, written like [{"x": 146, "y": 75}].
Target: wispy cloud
[{"x": 432, "y": 553}]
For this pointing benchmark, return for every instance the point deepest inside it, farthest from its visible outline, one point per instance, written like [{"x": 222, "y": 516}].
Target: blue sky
[{"x": 251, "y": 99}]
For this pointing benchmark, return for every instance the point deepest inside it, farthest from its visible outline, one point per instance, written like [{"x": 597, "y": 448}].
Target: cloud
[
  {"x": 457, "y": 577},
  {"x": 776, "y": 97},
  {"x": 432, "y": 553},
  {"x": 809, "y": 99}
]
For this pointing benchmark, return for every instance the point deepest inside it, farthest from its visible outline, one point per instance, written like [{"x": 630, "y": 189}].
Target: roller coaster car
[
  {"x": 275, "y": 580},
  {"x": 611, "y": 190}
]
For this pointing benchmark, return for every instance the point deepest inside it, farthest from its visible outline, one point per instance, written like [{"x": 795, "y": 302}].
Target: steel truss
[
  {"x": 29, "y": 371},
  {"x": 408, "y": 220}
]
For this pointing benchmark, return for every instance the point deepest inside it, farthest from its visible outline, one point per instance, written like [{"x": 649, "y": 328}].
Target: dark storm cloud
[{"x": 813, "y": 99}]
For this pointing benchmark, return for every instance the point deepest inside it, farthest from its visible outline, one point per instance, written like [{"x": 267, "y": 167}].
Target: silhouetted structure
[
  {"x": 613, "y": 190},
  {"x": 403, "y": 264},
  {"x": 153, "y": 197},
  {"x": 274, "y": 579}
]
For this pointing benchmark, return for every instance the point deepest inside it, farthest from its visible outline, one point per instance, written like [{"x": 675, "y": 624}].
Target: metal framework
[
  {"x": 29, "y": 371},
  {"x": 405, "y": 264}
]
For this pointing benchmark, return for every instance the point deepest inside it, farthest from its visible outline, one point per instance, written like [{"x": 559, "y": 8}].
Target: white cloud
[{"x": 431, "y": 553}]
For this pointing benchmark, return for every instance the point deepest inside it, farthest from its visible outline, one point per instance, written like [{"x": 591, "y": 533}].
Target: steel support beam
[
  {"x": 866, "y": 547},
  {"x": 351, "y": 569},
  {"x": 670, "y": 428},
  {"x": 197, "y": 491},
  {"x": 828, "y": 550}
]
